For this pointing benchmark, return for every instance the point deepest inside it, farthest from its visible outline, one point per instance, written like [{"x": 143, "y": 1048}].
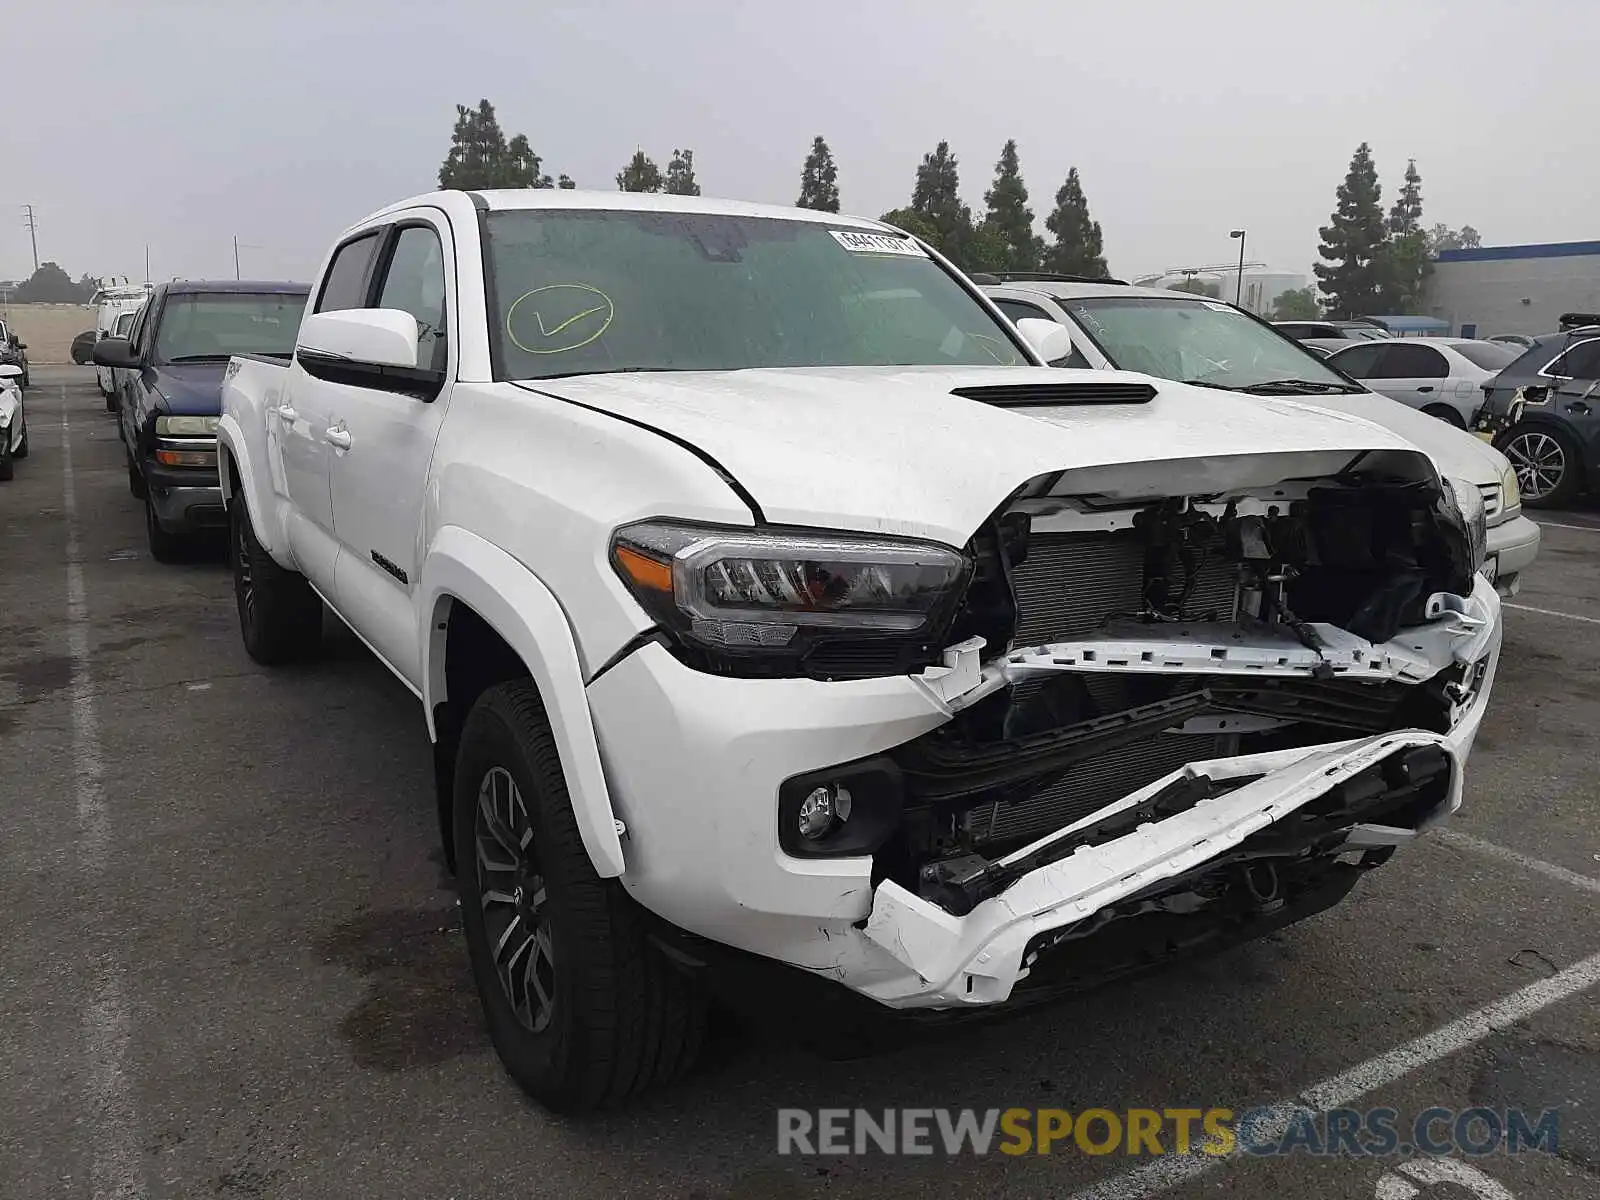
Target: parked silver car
[{"x": 1444, "y": 377}]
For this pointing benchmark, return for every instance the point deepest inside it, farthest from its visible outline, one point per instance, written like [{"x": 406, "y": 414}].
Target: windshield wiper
[
  {"x": 607, "y": 371},
  {"x": 1295, "y": 387},
  {"x": 178, "y": 358}
]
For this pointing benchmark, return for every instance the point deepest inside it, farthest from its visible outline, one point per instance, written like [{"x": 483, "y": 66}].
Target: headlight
[
  {"x": 187, "y": 426},
  {"x": 1510, "y": 493},
  {"x": 1474, "y": 519},
  {"x": 768, "y": 591}
]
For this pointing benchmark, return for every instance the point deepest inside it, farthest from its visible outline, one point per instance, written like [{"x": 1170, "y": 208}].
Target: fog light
[{"x": 822, "y": 809}]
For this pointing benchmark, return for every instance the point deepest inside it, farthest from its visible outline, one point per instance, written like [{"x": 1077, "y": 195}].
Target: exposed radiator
[
  {"x": 1071, "y": 583},
  {"x": 1068, "y": 586}
]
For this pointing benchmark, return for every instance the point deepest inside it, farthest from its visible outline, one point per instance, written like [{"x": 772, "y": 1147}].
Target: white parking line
[
  {"x": 1559, "y": 525},
  {"x": 1454, "y": 837},
  {"x": 1550, "y": 612},
  {"x": 1157, "y": 1175},
  {"x": 112, "y": 1126}
]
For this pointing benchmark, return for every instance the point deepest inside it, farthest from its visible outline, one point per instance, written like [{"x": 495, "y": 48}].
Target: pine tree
[
  {"x": 937, "y": 200},
  {"x": 640, "y": 175},
  {"x": 1009, "y": 218},
  {"x": 819, "y": 179},
  {"x": 1078, "y": 246},
  {"x": 680, "y": 174},
  {"x": 1353, "y": 242},
  {"x": 911, "y": 222},
  {"x": 480, "y": 156},
  {"x": 1406, "y": 214}
]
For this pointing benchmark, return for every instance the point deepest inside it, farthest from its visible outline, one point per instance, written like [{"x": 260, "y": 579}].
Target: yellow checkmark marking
[{"x": 570, "y": 320}]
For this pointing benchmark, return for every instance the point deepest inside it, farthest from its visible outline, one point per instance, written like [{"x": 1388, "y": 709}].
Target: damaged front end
[{"x": 1178, "y": 721}]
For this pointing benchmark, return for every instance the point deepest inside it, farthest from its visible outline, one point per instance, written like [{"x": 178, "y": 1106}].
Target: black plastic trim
[{"x": 636, "y": 643}]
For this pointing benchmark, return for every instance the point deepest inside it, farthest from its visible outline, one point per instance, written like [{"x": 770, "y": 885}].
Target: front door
[
  {"x": 384, "y": 445},
  {"x": 298, "y": 420}
]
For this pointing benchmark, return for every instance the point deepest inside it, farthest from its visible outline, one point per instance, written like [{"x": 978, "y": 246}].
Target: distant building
[{"x": 1513, "y": 289}]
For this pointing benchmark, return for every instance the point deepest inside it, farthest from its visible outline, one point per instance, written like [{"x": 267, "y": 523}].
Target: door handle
[
  {"x": 286, "y": 412},
  {"x": 339, "y": 439},
  {"x": 1428, "y": 388}
]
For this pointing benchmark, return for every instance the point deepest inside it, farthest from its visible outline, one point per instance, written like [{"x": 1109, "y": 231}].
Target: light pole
[{"x": 1238, "y": 287}]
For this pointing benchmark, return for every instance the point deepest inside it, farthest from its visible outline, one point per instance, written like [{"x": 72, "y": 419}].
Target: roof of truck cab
[
  {"x": 181, "y": 287},
  {"x": 512, "y": 199},
  {"x": 1060, "y": 290}
]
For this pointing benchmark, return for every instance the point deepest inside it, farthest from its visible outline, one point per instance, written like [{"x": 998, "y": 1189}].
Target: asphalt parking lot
[{"x": 230, "y": 964}]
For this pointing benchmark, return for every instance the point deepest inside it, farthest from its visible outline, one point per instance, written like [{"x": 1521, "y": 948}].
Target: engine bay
[{"x": 1144, "y": 637}]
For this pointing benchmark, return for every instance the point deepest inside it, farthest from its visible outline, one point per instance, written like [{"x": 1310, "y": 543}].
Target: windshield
[
  {"x": 1196, "y": 341},
  {"x": 197, "y": 325},
  {"x": 1491, "y": 356},
  {"x": 575, "y": 292}
]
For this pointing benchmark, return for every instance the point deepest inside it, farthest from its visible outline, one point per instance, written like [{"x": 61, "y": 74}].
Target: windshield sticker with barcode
[{"x": 876, "y": 243}]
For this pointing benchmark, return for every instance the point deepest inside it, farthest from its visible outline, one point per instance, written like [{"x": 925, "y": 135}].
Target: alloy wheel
[
  {"x": 1539, "y": 462},
  {"x": 243, "y": 579},
  {"x": 511, "y": 891}
]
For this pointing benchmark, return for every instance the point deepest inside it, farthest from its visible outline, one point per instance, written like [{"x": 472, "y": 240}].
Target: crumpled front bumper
[{"x": 977, "y": 959}]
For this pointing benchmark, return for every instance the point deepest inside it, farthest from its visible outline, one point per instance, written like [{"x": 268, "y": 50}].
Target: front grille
[
  {"x": 1071, "y": 583},
  {"x": 1491, "y": 499},
  {"x": 1090, "y": 786}
]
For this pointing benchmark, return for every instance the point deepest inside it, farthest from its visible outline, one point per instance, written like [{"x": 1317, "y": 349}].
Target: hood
[
  {"x": 190, "y": 389},
  {"x": 891, "y": 450},
  {"x": 1455, "y": 452}
]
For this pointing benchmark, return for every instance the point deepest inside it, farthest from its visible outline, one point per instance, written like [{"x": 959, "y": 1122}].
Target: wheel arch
[
  {"x": 1545, "y": 421},
  {"x": 482, "y": 605}
]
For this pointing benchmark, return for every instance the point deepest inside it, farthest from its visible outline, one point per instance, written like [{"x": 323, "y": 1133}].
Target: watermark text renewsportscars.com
[{"x": 1143, "y": 1132}]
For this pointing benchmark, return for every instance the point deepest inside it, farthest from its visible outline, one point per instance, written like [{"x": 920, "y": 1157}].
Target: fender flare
[
  {"x": 236, "y": 459},
  {"x": 519, "y": 607}
]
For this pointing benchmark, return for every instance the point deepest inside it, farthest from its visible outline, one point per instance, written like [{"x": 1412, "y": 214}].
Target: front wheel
[
  {"x": 165, "y": 546},
  {"x": 280, "y": 616},
  {"x": 111, "y": 401},
  {"x": 7, "y": 469},
  {"x": 583, "y": 1010},
  {"x": 1547, "y": 463}
]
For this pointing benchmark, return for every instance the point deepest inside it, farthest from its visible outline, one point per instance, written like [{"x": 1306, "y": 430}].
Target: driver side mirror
[
  {"x": 115, "y": 352},
  {"x": 1049, "y": 340}
]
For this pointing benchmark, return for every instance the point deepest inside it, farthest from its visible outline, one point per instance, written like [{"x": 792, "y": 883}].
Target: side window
[
  {"x": 1357, "y": 362},
  {"x": 141, "y": 327},
  {"x": 346, "y": 282},
  {"x": 1580, "y": 362},
  {"x": 414, "y": 283},
  {"x": 1402, "y": 360},
  {"x": 1017, "y": 310}
]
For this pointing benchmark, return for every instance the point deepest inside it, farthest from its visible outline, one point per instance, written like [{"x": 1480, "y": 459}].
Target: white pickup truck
[{"x": 783, "y": 624}]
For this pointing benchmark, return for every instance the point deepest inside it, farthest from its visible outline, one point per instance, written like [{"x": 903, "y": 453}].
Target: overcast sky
[{"x": 182, "y": 123}]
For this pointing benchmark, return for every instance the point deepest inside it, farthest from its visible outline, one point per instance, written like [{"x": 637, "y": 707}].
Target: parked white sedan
[{"x": 1444, "y": 377}]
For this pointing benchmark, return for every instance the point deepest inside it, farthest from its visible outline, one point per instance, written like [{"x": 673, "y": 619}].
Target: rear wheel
[
  {"x": 1547, "y": 465},
  {"x": 280, "y": 616},
  {"x": 1447, "y": 414},
  {"x": 7, "y": 470},
  {"x": 111, "y": 401},
  {"x": 582, "y": 1008}
]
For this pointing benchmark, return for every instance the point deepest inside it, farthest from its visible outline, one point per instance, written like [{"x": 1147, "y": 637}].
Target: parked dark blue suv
[{"x": 169, "y": 392}]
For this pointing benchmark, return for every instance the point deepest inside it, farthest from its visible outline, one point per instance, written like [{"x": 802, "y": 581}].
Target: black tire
[
  {"x": 623, "y": 1018},
  {"x": 136, "y": 483},
  {"x": 280, "y": 616},
  {"x": 1548, "y": 463},
  {"x": 111, "y": 402},
  {"x": 1446, "y": 414},
  {"x": 7, "y": 470},
  {"x": 165, "y": 546}
]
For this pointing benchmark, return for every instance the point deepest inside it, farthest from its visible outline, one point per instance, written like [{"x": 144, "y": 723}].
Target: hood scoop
[{"x": 1052, "y": 395}]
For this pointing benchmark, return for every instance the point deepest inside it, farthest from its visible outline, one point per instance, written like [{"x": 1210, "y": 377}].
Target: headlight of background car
[
  {"x": 1474, "y": 518},
  {"x": 745, "y": 591},
  {"x": 1510, "y": 493},
  {"x": 187, "y": 426}
]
